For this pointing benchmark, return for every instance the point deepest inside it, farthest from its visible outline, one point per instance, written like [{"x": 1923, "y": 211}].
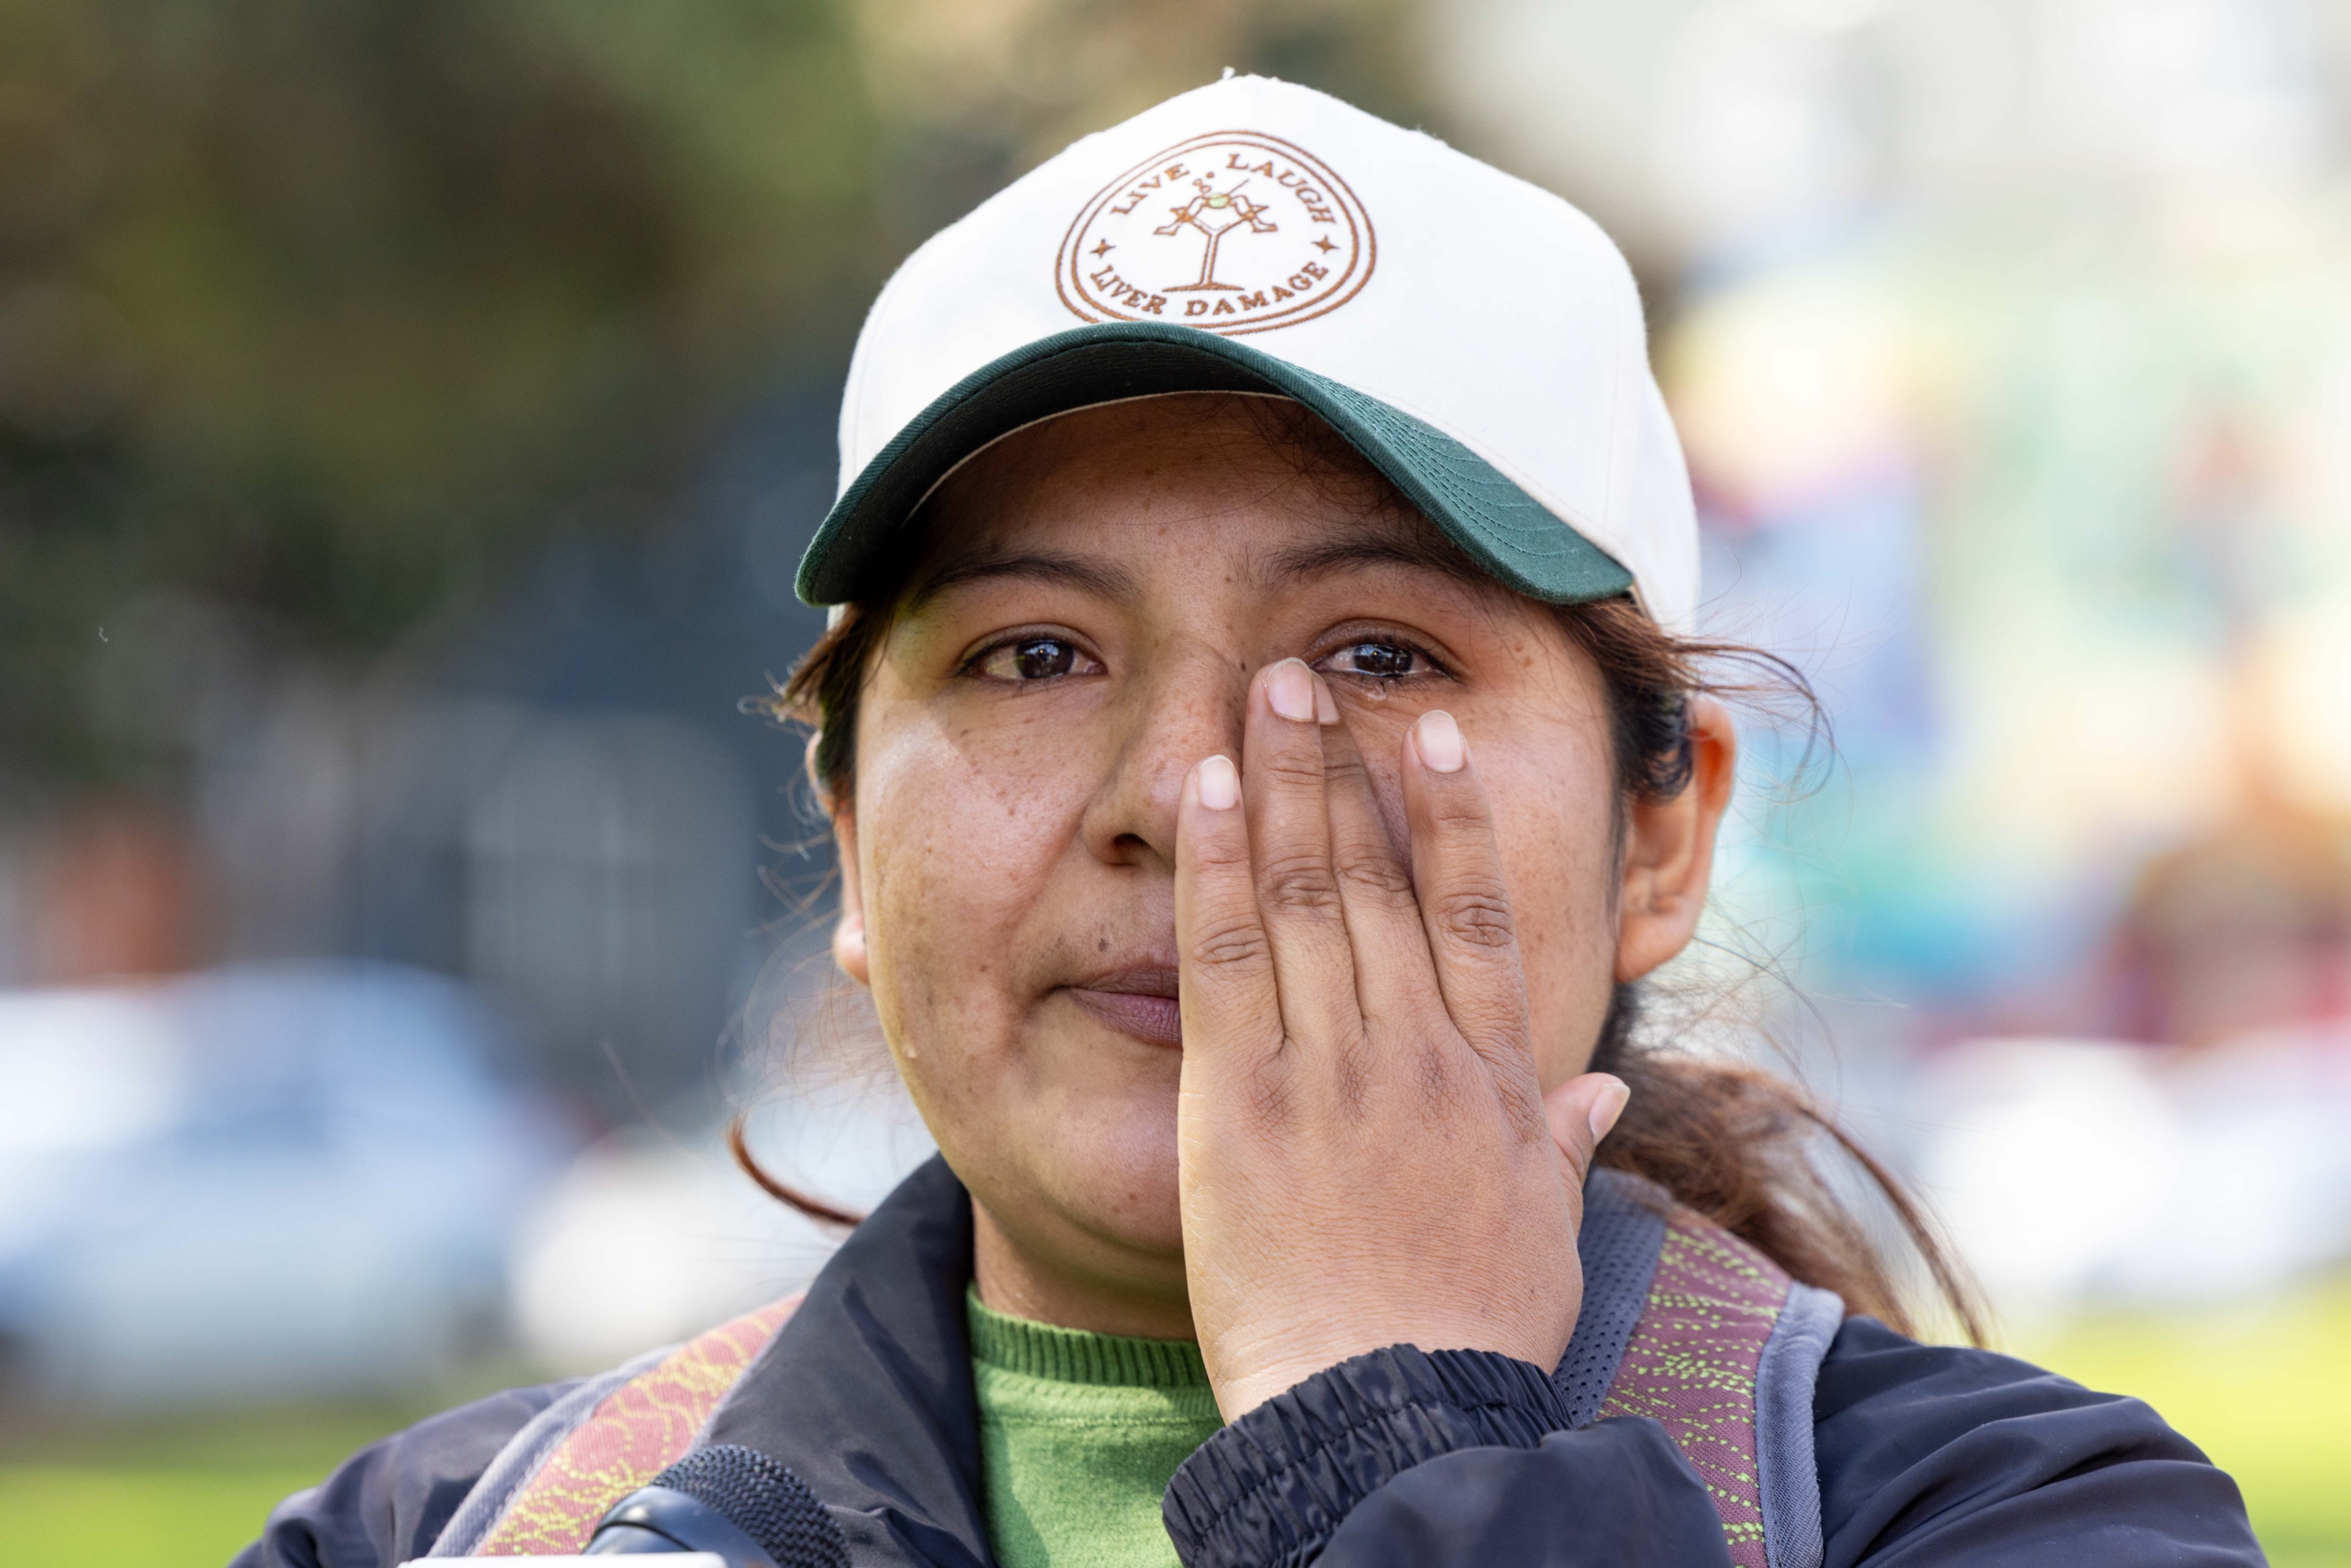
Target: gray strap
[
  {"x": 1784, "y": 1378},
  {"x": 527, "y": 1450},
  {"x": 1623, "y": 1230}
]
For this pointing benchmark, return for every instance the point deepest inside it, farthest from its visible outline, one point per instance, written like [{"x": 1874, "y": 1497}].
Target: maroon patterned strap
[
  {"x": 631, "y": 1437},
  {"x": 1692, "y": 1366}
]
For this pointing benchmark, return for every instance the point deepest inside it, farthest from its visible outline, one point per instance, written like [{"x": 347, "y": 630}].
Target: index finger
[{"x": 1225, "y": 981}]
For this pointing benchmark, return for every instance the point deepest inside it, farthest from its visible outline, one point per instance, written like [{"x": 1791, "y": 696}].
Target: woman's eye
[
  {"x": 1379, "y": 660},
  {"x": 1033, "y": 658}
]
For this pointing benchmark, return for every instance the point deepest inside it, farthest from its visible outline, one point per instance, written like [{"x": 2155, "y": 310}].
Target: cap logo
[{"x": 1234, "y": 232}]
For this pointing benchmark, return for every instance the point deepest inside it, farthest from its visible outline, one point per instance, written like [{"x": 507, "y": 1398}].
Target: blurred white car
[
  {"x": 256, "y": 1183},
  {"x": 2093, "y": 1172},
  {"x": 648, "y": 1239}
]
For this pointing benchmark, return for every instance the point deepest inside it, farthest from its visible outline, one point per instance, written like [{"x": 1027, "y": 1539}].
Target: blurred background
[{"x": 411, "y": 416}]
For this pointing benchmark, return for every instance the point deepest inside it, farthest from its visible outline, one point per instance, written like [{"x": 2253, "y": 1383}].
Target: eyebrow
[
  {"x": 1111, "y": 582},
  {"x": 1422, "y": 548}
]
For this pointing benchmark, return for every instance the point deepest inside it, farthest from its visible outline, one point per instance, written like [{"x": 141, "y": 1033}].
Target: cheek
[
  {"x": 1554, "y": 826},
  {"x": 959, "y": 833}
]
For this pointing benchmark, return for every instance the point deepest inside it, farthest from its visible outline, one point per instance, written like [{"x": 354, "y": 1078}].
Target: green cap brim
[{"x": 858, "y": 551}]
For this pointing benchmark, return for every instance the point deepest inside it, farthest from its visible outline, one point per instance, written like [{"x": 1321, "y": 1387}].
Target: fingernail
[
  {"x": 1440, "y": 740},
  {"x": 1290, "y": 689},
  {"x": 1606, "y": 1107},
  {"x": 1220, "y": 786},
  {"x": 1326, "y": 707}
]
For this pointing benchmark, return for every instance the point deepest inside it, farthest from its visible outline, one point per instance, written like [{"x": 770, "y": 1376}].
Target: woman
[{"x": 1266, "y": 754}]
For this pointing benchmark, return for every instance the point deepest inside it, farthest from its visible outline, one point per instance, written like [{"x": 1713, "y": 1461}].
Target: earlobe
[
  {"x": 849, "y": 942},
  {"x": 849, "y": 921},
  {"x": 1669, "y": 850},
  {"x": 849, "y": 924}
]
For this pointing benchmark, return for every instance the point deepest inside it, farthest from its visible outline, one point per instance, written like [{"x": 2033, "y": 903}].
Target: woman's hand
[{"x": 1366, "y": 1156}]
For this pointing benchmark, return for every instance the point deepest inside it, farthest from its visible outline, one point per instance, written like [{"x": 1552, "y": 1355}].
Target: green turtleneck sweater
[{"x": 1079, "y": 1434}]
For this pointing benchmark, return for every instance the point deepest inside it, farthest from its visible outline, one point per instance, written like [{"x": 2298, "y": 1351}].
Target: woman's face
[{"x": 1082, "y": 630}]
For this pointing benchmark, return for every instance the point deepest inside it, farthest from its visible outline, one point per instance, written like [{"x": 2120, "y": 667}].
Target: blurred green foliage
[
  {"x": 323, "y": 312},
  {"x": 140, "y": 1519},
  {"x": 313, "y": 307},
  {"x": 177, "y": 1491}
]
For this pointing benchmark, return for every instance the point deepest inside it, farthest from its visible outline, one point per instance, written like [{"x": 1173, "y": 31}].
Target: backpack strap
[
  {"x": 1624, "y": 1229},
  {"x": 1721, "y": 1362},
  {"x": 1785, "y": 1380},
  {"x": 605, "y": 1450}
]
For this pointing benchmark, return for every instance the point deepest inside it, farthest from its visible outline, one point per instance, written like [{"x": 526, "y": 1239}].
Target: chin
[{"x": 1118, "y": 1181}]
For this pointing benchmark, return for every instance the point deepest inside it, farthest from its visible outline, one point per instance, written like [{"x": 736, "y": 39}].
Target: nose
[{"x": 1189, "y": 706}]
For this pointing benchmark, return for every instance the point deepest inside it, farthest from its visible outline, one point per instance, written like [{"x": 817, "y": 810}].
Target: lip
[{"x": 1139, "y": 1003}]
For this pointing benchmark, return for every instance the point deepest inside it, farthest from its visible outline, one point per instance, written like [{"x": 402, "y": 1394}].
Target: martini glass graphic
[{"x": 1216, "y": 214}]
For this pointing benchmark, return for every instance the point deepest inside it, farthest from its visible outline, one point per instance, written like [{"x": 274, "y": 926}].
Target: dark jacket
[{"x": 1925, "y": 1455}]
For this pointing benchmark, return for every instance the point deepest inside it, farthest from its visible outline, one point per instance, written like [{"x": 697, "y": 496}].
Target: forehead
[{"x": 1184, "y": 475}]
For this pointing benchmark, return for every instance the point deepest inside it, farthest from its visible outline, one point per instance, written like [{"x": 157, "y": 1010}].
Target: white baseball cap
[{"x": 1478, "y": 340}]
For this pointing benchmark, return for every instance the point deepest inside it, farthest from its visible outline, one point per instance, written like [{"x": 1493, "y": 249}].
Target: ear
[
  {"x": 1669, "y": 849},
  {"x": 849, "y": 920}
]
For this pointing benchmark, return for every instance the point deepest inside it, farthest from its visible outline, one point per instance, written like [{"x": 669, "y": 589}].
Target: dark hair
[{"x": 1737, "y": 1145}]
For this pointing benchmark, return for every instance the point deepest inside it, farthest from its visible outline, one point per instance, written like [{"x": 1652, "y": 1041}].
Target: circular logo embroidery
[{"x": 1234, "y": 232}]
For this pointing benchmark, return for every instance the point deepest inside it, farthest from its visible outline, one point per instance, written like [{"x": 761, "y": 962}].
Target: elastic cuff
[{"x": 1270, "y": 1488}]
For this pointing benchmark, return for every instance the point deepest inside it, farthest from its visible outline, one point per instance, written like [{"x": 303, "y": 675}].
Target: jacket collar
[{"x": 867, "y": 1392}]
